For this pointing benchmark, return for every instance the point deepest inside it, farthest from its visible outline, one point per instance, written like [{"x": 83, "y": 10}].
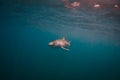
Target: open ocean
[{"x": 27, "y": 26}]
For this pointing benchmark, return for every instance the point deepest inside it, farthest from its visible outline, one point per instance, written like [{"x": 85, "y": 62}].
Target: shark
[{"x": 61, "y": 43}]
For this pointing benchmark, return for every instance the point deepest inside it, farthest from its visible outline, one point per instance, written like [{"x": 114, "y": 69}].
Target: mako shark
[{"x": 62, "y": 43}]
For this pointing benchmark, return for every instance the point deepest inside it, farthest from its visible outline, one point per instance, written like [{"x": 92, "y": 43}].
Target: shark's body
[{"x": 62, "y": 43}]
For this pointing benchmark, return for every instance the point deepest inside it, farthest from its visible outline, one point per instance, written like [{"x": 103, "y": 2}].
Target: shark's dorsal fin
[{"x": 64, "y": 38}]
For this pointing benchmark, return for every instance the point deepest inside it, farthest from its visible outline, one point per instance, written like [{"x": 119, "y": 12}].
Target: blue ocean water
[{"x": 26, "y": 28}]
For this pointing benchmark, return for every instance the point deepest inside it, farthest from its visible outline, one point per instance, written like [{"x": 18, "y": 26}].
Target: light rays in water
[{"x": 89, "y": 24}]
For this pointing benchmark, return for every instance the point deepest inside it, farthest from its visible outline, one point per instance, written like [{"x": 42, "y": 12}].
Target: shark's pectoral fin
[{"x": 65, "y": 48}]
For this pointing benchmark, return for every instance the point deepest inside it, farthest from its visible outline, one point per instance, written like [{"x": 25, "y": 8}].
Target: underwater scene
[{"x": 60, "y": 39}]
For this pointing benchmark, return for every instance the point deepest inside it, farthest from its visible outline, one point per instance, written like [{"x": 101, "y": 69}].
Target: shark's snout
[{"x": 51, "y": 44}]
